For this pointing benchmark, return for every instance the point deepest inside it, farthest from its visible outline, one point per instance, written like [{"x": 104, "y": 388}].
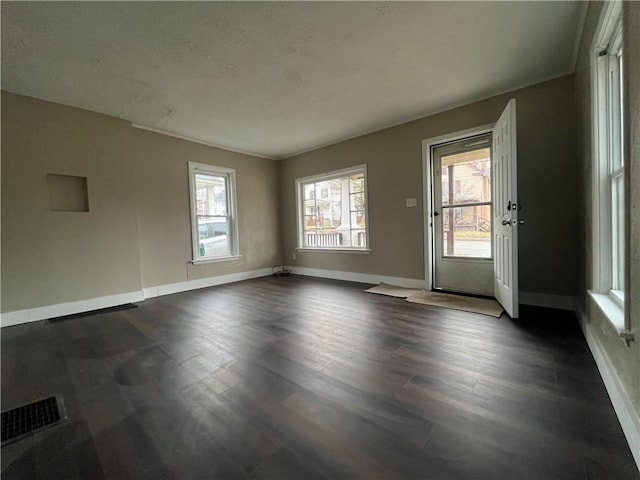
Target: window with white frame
[
  {"x": 609, "y": 164},
  {"x": 332, "y": 210},
  {"x": 214, "y": 229},
  {"x": 615, "y": 162}
]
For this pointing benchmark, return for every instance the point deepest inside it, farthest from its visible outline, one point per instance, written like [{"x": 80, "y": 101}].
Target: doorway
[
  {"x": 462, "y": 216},
  {"x": 450, "y": 263}
]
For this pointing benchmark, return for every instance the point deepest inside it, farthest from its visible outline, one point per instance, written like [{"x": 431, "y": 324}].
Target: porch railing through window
[{"x": 333, "y": 239}]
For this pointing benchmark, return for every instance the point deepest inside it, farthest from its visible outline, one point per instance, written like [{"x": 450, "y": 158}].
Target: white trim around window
[
  {"x": 214, "y": 221},
  {"x": 332, "y": 211},
  {"x": 608, "y": 191}
]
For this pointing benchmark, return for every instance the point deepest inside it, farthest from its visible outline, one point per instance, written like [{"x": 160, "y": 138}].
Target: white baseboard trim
[
  {"x": 549, "y": 300},
  {"x": 359, "y": 277},
  {"x": 17, "y": 317},
  {"x": 178, "y": 287},
  {"x": 9, "y": 319},
  {"x": 629, "y": 421},
  {"x": 562, "y": 302}
]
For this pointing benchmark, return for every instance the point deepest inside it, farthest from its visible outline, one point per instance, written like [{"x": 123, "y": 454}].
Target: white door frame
[{"x": 427, "y": 197}]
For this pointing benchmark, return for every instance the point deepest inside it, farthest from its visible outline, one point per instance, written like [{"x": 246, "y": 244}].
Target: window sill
[
  {"x": 614, "y": 313},
  {"x": 226, "y": 258},
  {"x": 364, "y": 251}
]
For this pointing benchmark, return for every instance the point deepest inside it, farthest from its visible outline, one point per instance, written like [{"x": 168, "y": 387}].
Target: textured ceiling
[{"x": 278, "y": 78}]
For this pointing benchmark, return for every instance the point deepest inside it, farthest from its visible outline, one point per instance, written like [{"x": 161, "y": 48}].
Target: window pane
[
  {"x": 357, "y": 220},
  {"x": 467, "y": 231},
  {"x": 617, "y": 237},
  {"x": 356, "y": 183},
  {"x": 310, "y": 191},
  {"x": 466, "y": 177},
  {"x": 615, "y": 113},
  {"x": 357, "y": 201},
  {"x": 322, "y": 190},
  {"x": 213, "y": 236},
  {"x": 211, "y": 194},
  {"x": 333, "y": 213},
  {"x": 310, "y": 222}
]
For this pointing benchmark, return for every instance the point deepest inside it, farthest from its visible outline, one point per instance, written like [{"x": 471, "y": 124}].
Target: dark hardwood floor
[{"x": 300, "y": 378}]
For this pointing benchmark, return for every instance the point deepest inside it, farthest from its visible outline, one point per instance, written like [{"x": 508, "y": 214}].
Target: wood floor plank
[{"x": 294, "y": 377}]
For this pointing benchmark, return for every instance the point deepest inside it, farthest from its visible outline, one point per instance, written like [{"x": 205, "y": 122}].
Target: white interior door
[{"x": 505, "y": 210}]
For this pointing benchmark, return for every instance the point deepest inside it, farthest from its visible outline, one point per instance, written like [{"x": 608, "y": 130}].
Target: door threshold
[{"x": 462, "y": 294}]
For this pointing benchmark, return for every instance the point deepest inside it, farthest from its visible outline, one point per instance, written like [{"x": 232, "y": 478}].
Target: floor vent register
[{"x": 23, "y": 421}]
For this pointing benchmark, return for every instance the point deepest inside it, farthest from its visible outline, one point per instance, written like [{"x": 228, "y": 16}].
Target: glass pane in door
[
  {"x": 466, "y": 204},
  {"x": 467, "y": 231},
  {"x": 466, "y": 177}
]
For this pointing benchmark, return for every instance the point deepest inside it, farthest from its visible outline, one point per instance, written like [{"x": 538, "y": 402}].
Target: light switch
[{"x": 411, "y": 202}]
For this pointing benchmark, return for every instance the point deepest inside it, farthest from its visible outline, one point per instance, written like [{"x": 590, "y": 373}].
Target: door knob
[
  {"x": 506, "y": 222},
  {"x": 518, "y": 222}
]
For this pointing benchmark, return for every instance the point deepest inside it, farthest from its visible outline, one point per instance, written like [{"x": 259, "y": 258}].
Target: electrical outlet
[
  {"x": 411, "y": 202},
  {"x": 294, "y": 256}
]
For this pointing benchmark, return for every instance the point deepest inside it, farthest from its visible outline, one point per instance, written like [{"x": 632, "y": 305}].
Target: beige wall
[
  {"x": 623, "y": 359},
  {"x": 137, "y": 233},
  {"x": 164, "y": 217},
  {"x": 55, "y": 257},
  {"x": 548, "y": 185}
]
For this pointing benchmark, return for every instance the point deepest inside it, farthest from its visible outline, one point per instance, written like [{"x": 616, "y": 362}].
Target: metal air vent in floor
[{"x": 22, "y": 421}]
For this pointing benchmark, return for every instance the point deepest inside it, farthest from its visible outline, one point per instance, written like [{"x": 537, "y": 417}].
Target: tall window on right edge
[
  {"x": 609, "y": 153},
  {"x": 616, "y": 160}
]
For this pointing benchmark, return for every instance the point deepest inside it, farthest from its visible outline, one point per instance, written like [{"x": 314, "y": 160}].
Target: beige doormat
[
  {"x": 393, "y": 290},
  {"x": 484, "y": 306}
]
